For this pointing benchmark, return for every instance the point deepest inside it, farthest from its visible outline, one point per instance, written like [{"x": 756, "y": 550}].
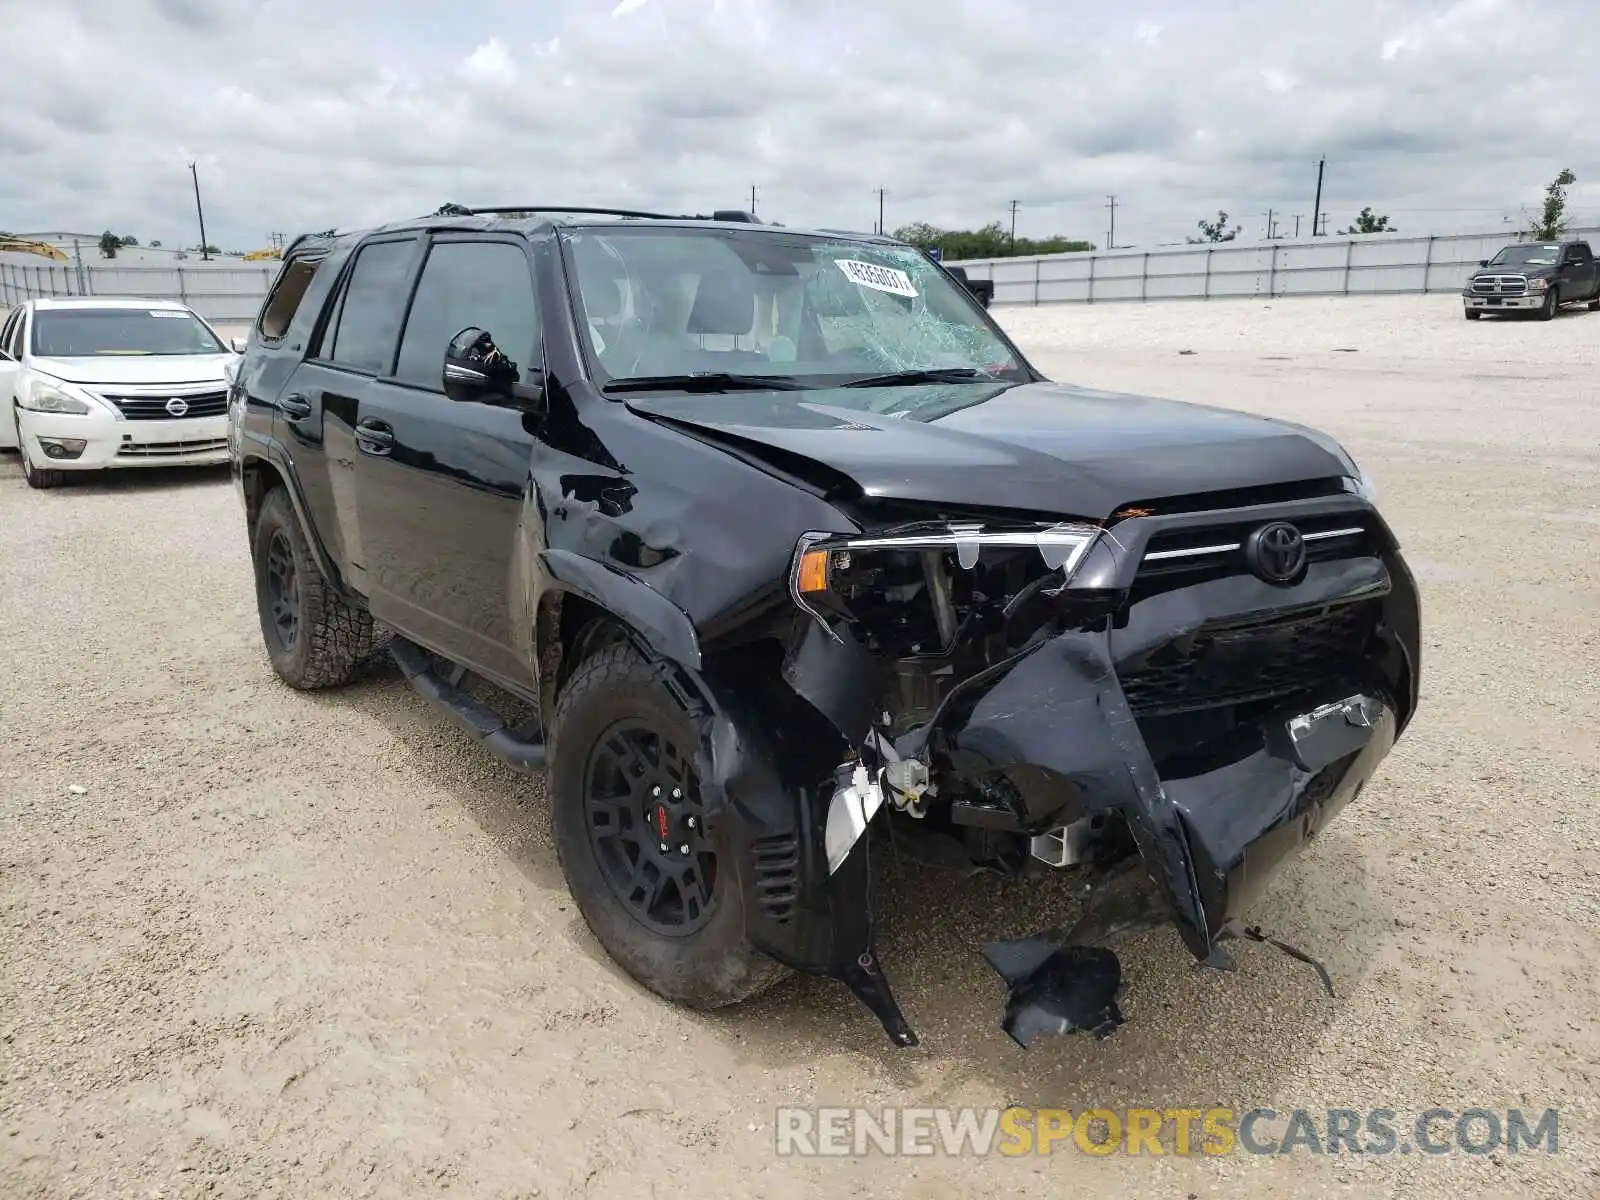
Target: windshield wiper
[
  {"x": 925, "y": 375},
  {"x": 705, "y": 381}
]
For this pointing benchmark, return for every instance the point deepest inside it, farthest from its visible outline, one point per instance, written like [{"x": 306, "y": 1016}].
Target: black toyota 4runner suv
[
  {"x": 763, "y": 543},
  {"x": 1533, "y": 277}
]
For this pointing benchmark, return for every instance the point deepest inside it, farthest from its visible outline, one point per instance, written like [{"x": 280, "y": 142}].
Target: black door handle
[
  {"x": 374, "y": 437},
  {"x": 295, "y": 407}
]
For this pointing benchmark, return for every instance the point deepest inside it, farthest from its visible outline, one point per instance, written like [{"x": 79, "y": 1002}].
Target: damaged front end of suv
[{"x": 1171, "y": 701}]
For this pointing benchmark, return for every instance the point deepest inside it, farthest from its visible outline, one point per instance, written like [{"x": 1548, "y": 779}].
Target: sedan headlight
[
  {"x": 831, "y": 574},
  {"x": 54, "y": 400}
]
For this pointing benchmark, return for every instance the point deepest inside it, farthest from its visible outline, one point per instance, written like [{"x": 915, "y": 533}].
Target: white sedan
[{"x": 91, "y": 385}]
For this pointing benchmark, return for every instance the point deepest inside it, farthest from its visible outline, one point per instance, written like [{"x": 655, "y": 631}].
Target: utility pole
[
  {"x": 1297, "y": 225},
  {"x": 1317, "y": 206},
  {"x": 1111, "y": 237},
  {"x": 1269, "y": 225},
  {"x": 1014, "y": 226},
  {"x": 752, "y": 199},
  {"x": 200, "y": 212},
  {"x": 880, "y": 210},
  {"x": 1324, "y": 224}
]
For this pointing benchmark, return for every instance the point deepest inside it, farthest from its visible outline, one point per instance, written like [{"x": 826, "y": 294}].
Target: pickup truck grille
[
  {"x": 148, "y": 407},
  {"x": 1240, "y": 661},
  {"x": 1499, "y": 285}
]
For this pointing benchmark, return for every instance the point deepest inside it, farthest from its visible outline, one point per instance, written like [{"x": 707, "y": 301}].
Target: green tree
[
  {"x": 110, "y": 243},
  {"x": 1553, "y": 224},
  {"x": 1215, "y": 231},
  {"x": 1370, "y": 222},
  {"x": 991, "y": 241}
]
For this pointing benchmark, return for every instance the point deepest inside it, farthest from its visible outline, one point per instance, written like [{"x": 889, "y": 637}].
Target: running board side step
[{"x": 485, "y": 725}]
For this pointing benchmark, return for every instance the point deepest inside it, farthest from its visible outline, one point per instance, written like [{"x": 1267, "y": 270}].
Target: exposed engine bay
[{"x": 1029, "y": 694}]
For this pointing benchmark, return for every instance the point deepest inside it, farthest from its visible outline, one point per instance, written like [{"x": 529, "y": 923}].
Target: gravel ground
[{"x": 258, "y": 943}]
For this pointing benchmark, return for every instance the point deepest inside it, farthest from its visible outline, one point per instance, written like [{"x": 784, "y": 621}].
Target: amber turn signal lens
[{"x": 813, "y": 575}]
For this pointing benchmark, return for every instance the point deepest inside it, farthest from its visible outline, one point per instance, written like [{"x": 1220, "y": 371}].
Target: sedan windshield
[
  {"x": 95, "y": 332},
  {"x": 659, "y": 306},
  {"x": 1527, "y": 256}
]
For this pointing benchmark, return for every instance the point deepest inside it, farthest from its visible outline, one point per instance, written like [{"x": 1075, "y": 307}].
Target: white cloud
[
  {"x": 956, "y": 107},
  {"x": 490, "y": 61}
]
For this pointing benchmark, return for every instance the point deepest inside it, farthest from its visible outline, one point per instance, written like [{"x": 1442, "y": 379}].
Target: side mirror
[
  {"x": 238, "y": 344},
  {"x": 1483, "y": 262},
  {"x": 476, "y": 369}
]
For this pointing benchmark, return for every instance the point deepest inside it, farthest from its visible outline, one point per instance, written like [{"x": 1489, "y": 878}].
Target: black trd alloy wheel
[
  {"x": 642, "y": 805},
  {"x": 656, "y": 883}
]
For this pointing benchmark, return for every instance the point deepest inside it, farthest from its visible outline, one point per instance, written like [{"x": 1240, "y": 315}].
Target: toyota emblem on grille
[
  {"x": 177, "y": 406},
  {"x": 1276, "y": 552}
]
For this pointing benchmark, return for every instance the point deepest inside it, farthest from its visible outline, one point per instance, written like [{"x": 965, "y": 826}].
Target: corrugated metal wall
[
  {"x": 1368, "y": 264},
  {"x": 230, "y": 294}
]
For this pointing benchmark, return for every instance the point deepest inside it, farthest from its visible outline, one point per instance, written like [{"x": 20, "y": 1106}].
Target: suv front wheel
[
  {"x": 656, "y": 887},
  {"x": 314, "y": 638}
]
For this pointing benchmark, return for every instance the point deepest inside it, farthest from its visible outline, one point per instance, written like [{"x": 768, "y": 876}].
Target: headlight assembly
[
  {"x": 1538, "y": 284},
  {"x": 53, "y": 400},
  {"x": 829, "y": 569}
]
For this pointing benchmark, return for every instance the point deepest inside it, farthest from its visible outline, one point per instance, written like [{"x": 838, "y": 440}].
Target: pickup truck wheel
[
  {"x": 1552, "y": 301},
  {"x": 1594, "y": 305},
  {"x": 1472, "y": 314},
  {"x": 658, "y": 892},
  {"x": 313, "y": 637}
]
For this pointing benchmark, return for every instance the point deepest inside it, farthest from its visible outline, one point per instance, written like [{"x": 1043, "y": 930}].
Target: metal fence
[
  {"x": 1366, "y": 265},
  {"x": 230, "y": 294}
]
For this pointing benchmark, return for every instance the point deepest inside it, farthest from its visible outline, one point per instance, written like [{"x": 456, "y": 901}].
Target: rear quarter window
[{"x": 284, "y": 299}]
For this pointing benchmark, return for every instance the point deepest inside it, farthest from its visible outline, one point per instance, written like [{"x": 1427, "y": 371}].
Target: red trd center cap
[{"x": 662, "y": 826}]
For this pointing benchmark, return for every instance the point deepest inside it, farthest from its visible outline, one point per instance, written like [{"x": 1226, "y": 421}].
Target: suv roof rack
[{"x": 721, "y": 214}]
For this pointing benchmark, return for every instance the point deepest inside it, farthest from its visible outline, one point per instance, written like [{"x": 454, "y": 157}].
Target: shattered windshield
[
  {"x": 1527, "y": 256},
  {"x": 805, "y": 308}
]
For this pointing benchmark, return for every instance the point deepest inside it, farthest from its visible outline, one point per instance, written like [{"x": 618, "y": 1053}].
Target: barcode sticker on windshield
[
  {"x": 879, "y": 279},
  {"x": 167, "y": 312}
]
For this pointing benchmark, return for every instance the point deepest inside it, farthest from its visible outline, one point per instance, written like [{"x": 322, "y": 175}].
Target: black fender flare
[
  {"x": 276, "y": 460},
  {"x": 665, "y": 628}
]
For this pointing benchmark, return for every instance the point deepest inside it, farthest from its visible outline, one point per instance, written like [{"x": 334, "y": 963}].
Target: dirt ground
[{"x": 257, "y": 943}]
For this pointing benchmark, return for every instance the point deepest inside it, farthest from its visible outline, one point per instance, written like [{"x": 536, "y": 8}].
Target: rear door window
[
  {"x": 368, "y": 320},
  {"x": 8, "y": 330},
  {"x": 482, "y": 284}
]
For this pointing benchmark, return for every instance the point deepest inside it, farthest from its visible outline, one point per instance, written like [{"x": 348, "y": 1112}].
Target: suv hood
[
  {"x": 136, "y": 369},
  {"x": 1043, "y": 447}
]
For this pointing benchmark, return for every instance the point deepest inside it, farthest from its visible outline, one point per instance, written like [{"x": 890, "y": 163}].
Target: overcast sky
[{"x": 306, "y": 114}]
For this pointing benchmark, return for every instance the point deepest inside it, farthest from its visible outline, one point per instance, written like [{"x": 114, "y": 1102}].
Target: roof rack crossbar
[{"x": 458, "y": 210}]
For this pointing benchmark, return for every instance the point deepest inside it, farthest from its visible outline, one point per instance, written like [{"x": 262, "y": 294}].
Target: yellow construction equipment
[
  {"x": 23, "y": 246},
  {"x": 258, "y": 255}
]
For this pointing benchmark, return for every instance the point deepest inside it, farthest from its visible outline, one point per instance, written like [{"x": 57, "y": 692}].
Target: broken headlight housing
[{"x": 875, "y": 578}]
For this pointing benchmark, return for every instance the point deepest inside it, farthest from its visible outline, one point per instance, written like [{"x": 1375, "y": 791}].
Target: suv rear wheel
[
  {"x": 313, "y": 637},
  {"x": 658, "y": 891}
]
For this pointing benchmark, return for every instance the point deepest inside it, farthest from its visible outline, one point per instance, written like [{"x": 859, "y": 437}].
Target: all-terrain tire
[
  {"x": 330, "y": 637},
  {"x": 714, "y": 965},
  {"x": 1552, "y": 301}
]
